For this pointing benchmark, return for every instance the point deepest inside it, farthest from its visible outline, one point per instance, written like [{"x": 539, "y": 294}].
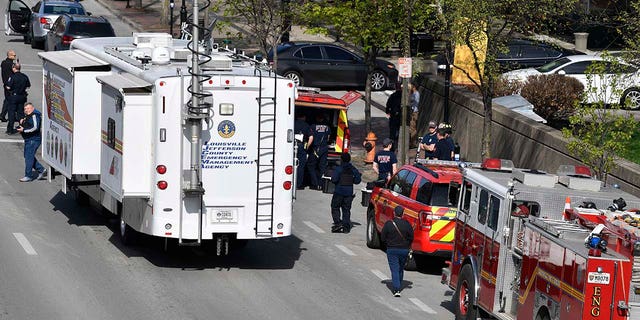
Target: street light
[
  {"x": 183, "y": 16},
  {"x": 171, "y": 5}
]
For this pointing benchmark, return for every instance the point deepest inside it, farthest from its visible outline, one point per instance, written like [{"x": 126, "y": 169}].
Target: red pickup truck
[{"x": 429, "y": 192}]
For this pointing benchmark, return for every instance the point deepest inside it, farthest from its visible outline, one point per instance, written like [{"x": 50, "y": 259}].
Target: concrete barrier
[{"x": 526, "y": 142}]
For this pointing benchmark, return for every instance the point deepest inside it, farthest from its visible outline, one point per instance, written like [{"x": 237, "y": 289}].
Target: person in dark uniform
[
  {"x": 394, "y": 112},
  {"x": 385, "y": 161},
  {"x": 304, "y": 138},
  {"x": 30, "y": 129},
  {"x": 317, "y": 162},
  {"x": 17, "y": 86},
  {"x": 344, "y": 176},
  {"x": 443, "y": 150},
  {"x": 397, "y": 234},
  {"x": 7, "y": 71},
  {"x": 448, "y": 130},
  {"x": 429, "y": 140}
]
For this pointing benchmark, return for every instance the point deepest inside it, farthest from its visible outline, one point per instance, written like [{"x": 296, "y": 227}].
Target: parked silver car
[{"x": 34, "y": 23}]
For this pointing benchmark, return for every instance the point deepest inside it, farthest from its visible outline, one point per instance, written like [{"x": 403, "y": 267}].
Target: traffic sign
[{"x": 405, "y": 67}]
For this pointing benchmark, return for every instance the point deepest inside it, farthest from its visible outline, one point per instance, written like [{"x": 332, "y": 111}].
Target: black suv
[
  {"x": 71, "y": 26},
  {"x": 327, "y": 65}
]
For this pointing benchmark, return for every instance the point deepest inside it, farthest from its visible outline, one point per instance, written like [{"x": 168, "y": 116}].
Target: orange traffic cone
[{"x": 567, "y": 206}]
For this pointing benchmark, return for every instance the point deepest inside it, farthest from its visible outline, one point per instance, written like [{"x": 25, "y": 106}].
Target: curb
[{"x": 134, "y": 25}]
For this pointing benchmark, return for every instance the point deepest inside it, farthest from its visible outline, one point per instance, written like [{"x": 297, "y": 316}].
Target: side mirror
[
  {"x": 561, "y": 72},
  {"x": 88, "y": 13}
]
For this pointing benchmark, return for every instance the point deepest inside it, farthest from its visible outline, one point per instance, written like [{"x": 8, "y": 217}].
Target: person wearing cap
[
  {"x": 429, "y": 141},
  {"x": 448, "y": 130},
  {"x": 385, "y": 161},
  {"x": 317, "y": 160},
  {"x": 443, "y": 150},
  {"x": 397, "y": 235},
  {"x": 344, "y": 176}
]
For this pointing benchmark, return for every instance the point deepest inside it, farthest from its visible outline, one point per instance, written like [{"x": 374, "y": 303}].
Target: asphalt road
[{"x": 60, "y": 260}]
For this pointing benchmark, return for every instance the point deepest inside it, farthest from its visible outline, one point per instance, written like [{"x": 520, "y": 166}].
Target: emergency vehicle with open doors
[
  {"x": 191, "y": 148},
  {"x": 518, "y": 256},
  {"x": 311, "y": 102},
  {"x": 428, "y": 190}
]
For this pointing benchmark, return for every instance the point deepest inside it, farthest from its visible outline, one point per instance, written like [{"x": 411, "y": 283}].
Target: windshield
[
  {"x": 91, "y": 29},
  {"x": 552, "y": 65},
  {"x": 440, "y": 195},
  {"x": 63, "y": 9}
]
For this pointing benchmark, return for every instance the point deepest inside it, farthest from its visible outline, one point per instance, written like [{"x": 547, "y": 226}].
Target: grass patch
[{"x": 632, "y": 152}]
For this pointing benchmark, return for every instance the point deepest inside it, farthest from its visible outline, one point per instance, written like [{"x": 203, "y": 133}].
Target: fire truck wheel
[
  {"x": 373, "y": 237},
  {"x": 465, "y": 294},
  {"x": 127, "y": 234}
]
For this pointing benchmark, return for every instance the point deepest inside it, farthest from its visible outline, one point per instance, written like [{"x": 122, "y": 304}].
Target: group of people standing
[{"x": 17, "y": 109}]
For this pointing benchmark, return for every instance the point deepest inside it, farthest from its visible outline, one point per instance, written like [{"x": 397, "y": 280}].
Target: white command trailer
[{"x": 125, "y": 125}]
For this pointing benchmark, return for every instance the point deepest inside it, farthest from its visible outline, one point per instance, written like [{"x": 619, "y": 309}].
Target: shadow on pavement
[{"x": 280, "y": 253}]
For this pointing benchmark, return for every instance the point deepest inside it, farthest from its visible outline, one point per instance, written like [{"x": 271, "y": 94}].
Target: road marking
[
  {"x": 12, "y": 140},
  {"x": 313, "y": 226},
  {"x": 22, "y": 240},
  {"x": 422, "y": 306},
  {"x": 345, "y": 250},
  {"x": 379, "y": 274}
]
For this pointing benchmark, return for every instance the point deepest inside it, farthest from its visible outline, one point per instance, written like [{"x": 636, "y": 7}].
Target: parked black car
[
  {"x": 524, "y": 53},
  {"x": 328, "y": 65},
  {"x": 71, "y": 26}
]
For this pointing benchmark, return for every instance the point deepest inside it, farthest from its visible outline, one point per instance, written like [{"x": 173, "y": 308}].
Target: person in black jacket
[
  {"x": 394, "y": 113},
  {"x": 30, "y": 130},
  {"x": 7, "y": 71},
  {"x": 344, "y": 176},
  {"x": 17, "y": 85},
  {"x": 397, "y": 234}
]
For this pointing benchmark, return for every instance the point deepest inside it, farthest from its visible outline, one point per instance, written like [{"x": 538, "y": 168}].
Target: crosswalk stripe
[
  {"x": 313, "y": 226},
  {"x": 422, "y": 306},
  {"x": 379, "y": 274},
  {"x": 345, "y": 250}
]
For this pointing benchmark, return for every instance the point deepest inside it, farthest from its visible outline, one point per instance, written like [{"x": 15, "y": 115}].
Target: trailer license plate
[
  {"x": 599, "y": 278},
  {"x": 225, "y": 215}
]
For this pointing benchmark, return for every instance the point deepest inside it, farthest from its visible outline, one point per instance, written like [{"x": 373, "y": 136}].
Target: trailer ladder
[{"x": 266, "y": 157}]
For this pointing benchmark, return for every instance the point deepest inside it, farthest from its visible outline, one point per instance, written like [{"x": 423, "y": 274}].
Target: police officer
[
  {"x": 17, "y": 86},
  {"x": 317, "y": 163},
  {"x": 344, "y": 176},
  {"x": 304, "y": 138}
]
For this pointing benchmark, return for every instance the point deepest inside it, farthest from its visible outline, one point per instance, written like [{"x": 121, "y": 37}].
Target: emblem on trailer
[{"x": 226, "y": 129}]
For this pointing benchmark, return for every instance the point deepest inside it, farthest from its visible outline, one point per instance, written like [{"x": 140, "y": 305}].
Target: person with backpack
[
  {"x": 344, "y": 177},
  {"x": 397, "y": 234}
]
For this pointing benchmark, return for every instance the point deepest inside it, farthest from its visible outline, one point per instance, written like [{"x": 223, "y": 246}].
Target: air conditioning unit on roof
[{"x": 152, "y": 40}]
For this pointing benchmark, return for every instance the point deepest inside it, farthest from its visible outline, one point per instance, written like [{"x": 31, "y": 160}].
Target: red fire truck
[
  {"x": 516, "y": 256},
  {"x": 426, "y": 191}
]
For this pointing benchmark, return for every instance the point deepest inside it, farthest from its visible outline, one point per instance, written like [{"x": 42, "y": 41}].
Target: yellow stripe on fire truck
[
  {"x": 447, "y": 222},
  {"x": 553, "y": 281}
]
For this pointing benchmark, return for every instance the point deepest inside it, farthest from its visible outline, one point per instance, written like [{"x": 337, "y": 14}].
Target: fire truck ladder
[{"x": 265, "y": 187}]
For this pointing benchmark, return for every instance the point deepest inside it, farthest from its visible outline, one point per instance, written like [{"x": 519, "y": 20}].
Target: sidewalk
[{"x": 147, "y": 19}]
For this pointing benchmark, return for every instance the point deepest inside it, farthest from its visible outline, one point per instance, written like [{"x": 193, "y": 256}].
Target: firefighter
[
  {"x": 304, "y": 138},
  {"x": 443, "y": 150},
  {"x": 317, "y": 161},
  {"x": 385, "y": 161},
  {"x": 429, "y": 141},
  {"x": 344, "y": 176}
]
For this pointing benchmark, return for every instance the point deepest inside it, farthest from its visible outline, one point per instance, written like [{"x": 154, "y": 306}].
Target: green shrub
[{"x": 554, "y": 97}]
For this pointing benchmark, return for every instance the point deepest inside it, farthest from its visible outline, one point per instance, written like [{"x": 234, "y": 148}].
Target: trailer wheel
[
  {"x": 127, "y": 234},
  {"x": 465, "y": 295},
  {"x": 373, "y": 236}
]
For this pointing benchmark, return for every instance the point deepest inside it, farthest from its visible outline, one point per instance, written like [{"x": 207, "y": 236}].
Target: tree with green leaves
[
  {"x": 598, "y": 134},
  {"x": 267, "y": 20},
  {"x": 371, "y": 25},
  {"x": 484, "y": 27}
]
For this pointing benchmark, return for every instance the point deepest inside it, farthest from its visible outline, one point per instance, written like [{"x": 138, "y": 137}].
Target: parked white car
[{"x": 620, "y": 82}]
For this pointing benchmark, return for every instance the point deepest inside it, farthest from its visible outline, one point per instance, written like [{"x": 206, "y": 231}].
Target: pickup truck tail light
[
  {"x": 67, "y": 39},
  {"x": 426, "y": 219}
]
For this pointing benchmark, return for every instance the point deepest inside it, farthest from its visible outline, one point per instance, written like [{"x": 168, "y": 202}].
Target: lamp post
[
  {"x": 183, "y": 16},
  {"x": 172, "y": 4}
]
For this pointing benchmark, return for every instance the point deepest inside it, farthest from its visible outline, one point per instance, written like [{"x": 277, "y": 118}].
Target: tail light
[
  {"x": 67, "y": 39},
  {"x": 426, "y": 219},
  {"x": 162, "y": 185},
  {"x": 44, "y": 20},
  {"x": 347, "y": 141},
  {"x": 288, "y": 169},
  {"x": 287, "y": 185},
  {"x": 161, "y": 169}
]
